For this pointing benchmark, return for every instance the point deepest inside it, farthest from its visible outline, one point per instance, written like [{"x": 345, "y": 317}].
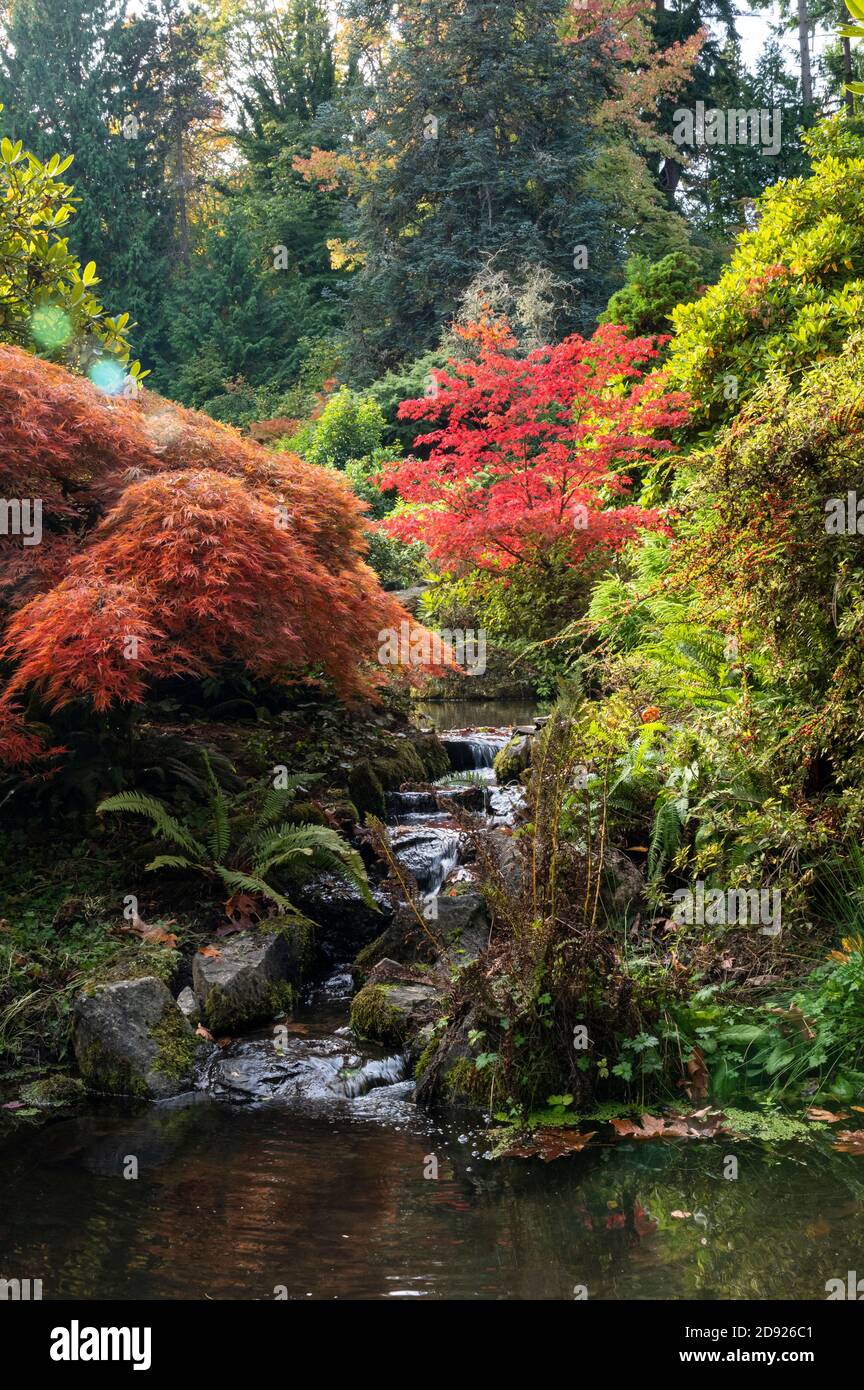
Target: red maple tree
[
  {"x": 170, "y": 545},
  {"x": 532, "y": 453}
]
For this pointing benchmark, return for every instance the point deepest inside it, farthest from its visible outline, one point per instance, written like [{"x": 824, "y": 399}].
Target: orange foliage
[{"x": 171, "y": 545}]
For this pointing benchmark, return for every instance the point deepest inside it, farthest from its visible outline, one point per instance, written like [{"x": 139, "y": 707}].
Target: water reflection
[{"x": 232, "y": 1203}]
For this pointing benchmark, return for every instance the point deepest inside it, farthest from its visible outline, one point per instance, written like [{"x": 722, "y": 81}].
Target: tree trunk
[
  {"x": 847, "y": 75},
  {"x": 804, "y": 45}
]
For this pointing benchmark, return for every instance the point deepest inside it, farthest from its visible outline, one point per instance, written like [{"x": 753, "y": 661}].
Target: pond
[{"x": 237, "y": 1202}]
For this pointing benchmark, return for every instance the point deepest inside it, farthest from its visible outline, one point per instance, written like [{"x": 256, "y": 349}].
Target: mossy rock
[
  {"x": 370, "y": 955},
  {"x": 512, "y": 760},
  {"x": 305, "y": 813},
  {"x": 176, "y": 1046},
  {"x": 54, "y": 1092},
  {"x": 135, "y": 963},
  {"x": 463, "y": 1083},
  {"x": 366, "y": 791},
  {"x": 244, "y": 979},
  {"x": 404, "y": 764},
  {"x": 393, "y": 1012},
  {"x": 433, "y": 755},
  {"x": 373, "y": 1016},
  {"x": 423, "y": 1061},
  {"x": 222, "y": 1015},
  {"x": 130, "y": 1039}
]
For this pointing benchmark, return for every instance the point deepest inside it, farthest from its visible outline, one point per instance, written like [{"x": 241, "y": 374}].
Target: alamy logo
[
  {"x": 77, "y": 1343},
  {"x": 734, "y": 127},
  {"x": 717, "y": 907},
  {"x": 852, "y": 1287},
  {"x": 20, "y": 1290},
  {"x": 21, "y": 516},
  {"x": 844, "y": 516},
  {"x": 419, "y": 647}
]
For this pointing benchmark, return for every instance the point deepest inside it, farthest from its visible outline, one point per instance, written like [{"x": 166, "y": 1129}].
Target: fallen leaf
[
  {"x": 697, "y": 1079},
  {"x": 204, "y": 1033},
  {"x": 702, "y": 1124},
  {"x": 826, "y": 1116},
  {"x": 849, "y": 1141},
  {"x": 157, "y": 935},
  {"x": 551, "y": 1142},
  {"x": 211, "y": 952},
  {"x": 817, "y": 1229},
  {"x": 795, "y": 1016},
  {"x": 228, "y": 928},
  {"x": 681, "y": 1215}
]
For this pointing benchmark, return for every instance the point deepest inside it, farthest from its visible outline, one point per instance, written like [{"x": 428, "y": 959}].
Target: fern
[
  {"x": 220, "y": 831},
  {"x": 265, "y": 848},
  {"x": 167, "y": 825}
]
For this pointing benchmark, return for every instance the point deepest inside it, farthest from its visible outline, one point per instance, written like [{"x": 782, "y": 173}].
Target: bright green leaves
[{"x": 46, "y": 300}]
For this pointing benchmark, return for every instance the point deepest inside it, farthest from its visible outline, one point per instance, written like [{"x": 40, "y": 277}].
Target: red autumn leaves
[
  {"x": 170, "y": 546},
  {"x": 529, "y": 456}
]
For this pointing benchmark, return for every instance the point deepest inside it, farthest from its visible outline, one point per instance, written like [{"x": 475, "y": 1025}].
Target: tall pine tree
[{"x": 470, "y": 145}]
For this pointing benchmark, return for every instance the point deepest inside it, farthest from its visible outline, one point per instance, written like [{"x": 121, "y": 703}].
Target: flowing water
[{"x": 304, "y": 1169}]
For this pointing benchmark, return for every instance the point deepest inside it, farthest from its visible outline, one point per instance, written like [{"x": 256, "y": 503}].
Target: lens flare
[
  {"x": 50, "y": 327},
  {"x": 108, "y": 376}
]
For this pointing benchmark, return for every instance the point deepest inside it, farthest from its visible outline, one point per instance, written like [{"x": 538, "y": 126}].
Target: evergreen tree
[
  {"x": 261, "y": 296},
  {"x": 119, "y": 91},
  {"x": 471, "y": 143}
]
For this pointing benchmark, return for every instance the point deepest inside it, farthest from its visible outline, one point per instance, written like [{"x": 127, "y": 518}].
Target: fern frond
[
  {"x": 321, "y": 848},
  {"x": 277, "y": 801},
  {"x": 250, "y": 883},
  {"x": 171, "y": 861},
  {"x": 167, "y": 826}
]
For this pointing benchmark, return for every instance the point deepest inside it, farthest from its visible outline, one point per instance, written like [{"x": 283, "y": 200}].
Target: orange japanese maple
[{"x": 170, "y": 545}]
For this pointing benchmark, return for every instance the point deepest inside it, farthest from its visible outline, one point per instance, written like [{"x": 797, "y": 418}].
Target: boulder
[
  {"x": 55, "y": 1092},
  {"x": 625, "y": 883},
  {"x": 446, "y": 1069},
  {"x": 393, "y": 1012},
  {"x": 410, "y": 598},
  {"x": 245, "y": 981},
  {"x": 463, "y": 925},
  {"x": 507, "y": 858},
  {"x": 512, "y": 760},
  {"x": 130, "y": 1039}
]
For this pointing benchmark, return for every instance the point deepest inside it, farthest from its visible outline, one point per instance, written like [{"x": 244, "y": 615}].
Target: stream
[{"x": 303, "y": 1169}]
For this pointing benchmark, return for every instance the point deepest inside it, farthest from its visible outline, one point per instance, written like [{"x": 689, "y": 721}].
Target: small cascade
[
  {"x": 403, "y": 804},
  {"x": 381, "y": 1071},
  {"x": 316, "y": 1064},
  {"x": 470, "y": 749},
  {"x": 429, "y": 853}
]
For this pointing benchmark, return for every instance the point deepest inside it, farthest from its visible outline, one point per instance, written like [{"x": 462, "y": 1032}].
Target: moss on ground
[{"x": 54, "y": 1092}]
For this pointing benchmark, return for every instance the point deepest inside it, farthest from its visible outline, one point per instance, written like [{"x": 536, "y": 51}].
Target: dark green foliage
[
  {"x": 477, "y": 144},
  {"x": 121, "y": 93}
]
